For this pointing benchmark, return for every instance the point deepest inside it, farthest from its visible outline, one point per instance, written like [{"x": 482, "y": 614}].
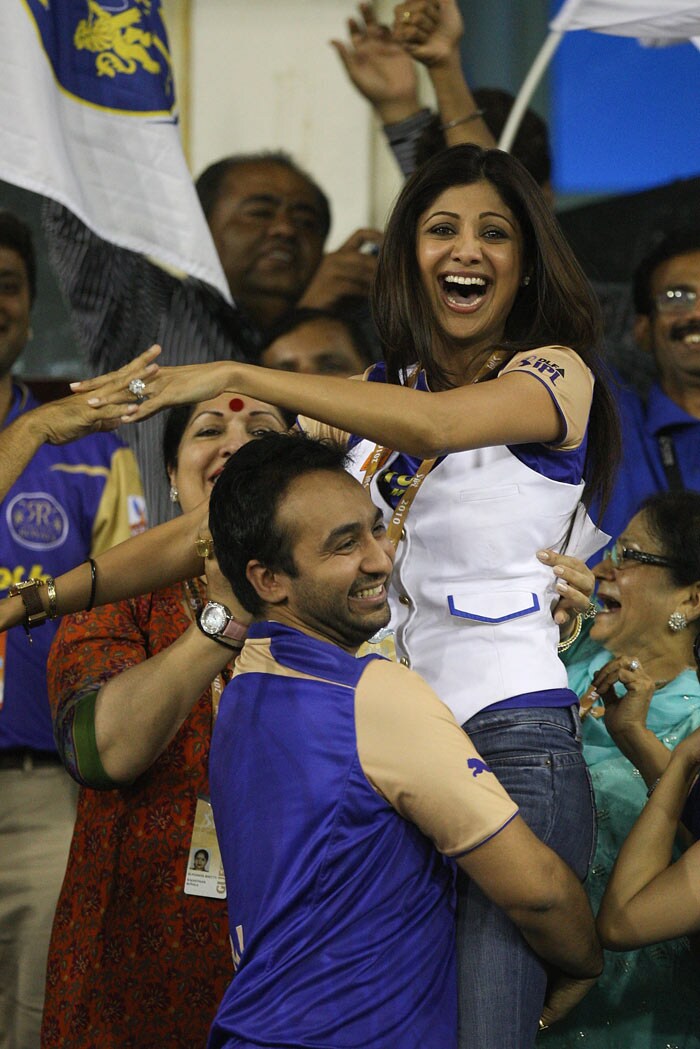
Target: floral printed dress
[{"x": 134, "y": 962}]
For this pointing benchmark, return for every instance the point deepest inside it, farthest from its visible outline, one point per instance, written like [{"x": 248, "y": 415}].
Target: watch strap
[
  {"x": 234, "y": 632},
  {"x": 28, "y": 591}
]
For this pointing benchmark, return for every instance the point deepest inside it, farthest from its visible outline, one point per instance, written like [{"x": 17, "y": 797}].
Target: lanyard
[{"x": 380, "y": 455}]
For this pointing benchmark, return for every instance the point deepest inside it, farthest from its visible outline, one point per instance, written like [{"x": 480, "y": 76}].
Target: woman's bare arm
[
  {"x": 514, "y": 409},
  {"x": 147, "y": 562},
  {"x": 648, "y": 898}
]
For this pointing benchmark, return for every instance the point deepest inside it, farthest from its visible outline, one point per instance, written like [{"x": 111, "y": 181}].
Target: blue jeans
[{"x": 536, "y": 755}]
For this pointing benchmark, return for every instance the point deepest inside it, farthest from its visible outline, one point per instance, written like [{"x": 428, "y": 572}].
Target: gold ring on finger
[
  {"x": 406, "y": 16},
  {"x": 204, "y": 546}
]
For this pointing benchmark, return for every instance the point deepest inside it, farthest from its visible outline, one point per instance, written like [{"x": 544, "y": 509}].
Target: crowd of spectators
[{"x": 491, "y": 398}]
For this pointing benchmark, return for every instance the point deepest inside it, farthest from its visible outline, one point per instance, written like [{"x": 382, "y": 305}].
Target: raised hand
[
  {"x": 348, "y": 271},
  {"x": 69, "y": 418},
  {"x": 163, "y": 387},
  {"x": 626, "y": 716},
  {"x": 429, "y": 30},
  {"x": 379, "y": 67}
]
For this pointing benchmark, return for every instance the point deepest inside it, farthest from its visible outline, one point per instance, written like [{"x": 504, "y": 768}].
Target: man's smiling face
[
  {"x": 673, "y": 335},
  {"x": 269, "y": 229},
  {"x": 342, "y": 558}
]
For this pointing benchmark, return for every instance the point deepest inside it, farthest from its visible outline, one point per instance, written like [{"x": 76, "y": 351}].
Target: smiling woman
[
  {"x": 481, "y": 306},
  {"x": 469, "y": 250},
  {"x": 198, "y": 440},
  {"x": 134, "y": 688},
  {"x": 636, "y": 661}
]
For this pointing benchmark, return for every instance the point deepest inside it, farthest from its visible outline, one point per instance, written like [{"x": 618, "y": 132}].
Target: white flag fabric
[
  {"x": 660, "y": 21},
  {"x": 88, "y": 118}
]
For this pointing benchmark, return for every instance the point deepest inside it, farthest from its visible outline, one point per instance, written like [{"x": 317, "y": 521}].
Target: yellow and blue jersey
[
  {"x": 71, "y": 502},
  {"x": 339, "y": 787}
]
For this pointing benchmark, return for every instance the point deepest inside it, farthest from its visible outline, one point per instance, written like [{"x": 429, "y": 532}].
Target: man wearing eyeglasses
[{"x": 661, "y": 436}]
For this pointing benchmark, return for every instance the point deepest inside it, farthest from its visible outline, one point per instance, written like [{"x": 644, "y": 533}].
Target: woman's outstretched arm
[
  {"x": 162, "y": 555},
  {"x": 514, "y": 409}
]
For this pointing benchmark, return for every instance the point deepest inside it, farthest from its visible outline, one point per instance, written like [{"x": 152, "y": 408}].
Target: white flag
[
  {"x": 88, "y": 118},
  {"x": 660, "y": 21}
]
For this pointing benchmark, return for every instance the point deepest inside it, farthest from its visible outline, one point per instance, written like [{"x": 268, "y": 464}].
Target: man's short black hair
[
  {"x": 209, "y": 183},
  {"x": 17, "y": 236},
  {"x": 680, "y": 241},
  {"x": 245, "y": 500},
  {"x": 346, "y": 318}
]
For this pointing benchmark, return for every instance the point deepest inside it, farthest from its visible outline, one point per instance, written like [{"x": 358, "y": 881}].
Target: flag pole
[{"x": 528, "y": 89}]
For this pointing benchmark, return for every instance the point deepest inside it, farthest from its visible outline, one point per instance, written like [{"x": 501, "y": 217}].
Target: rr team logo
[
  {"x": 37, "y": 520},
  {"x": 112, "y": 54}
]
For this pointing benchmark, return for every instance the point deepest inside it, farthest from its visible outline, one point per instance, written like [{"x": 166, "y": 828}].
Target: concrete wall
[{"x": 262, "y": 75}]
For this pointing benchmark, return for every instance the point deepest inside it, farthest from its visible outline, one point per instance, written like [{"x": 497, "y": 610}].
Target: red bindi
[{"x": 236, "y": 405}]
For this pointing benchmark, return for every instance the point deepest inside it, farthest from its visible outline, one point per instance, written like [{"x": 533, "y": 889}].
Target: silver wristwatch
[{"x": 216, "y": 622}]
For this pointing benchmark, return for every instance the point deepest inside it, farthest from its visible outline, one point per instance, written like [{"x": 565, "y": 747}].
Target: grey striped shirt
[{"x": 121, "y": 303}]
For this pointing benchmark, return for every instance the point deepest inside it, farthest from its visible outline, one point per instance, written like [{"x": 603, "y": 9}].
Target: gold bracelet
[
  {"x": 51, "y": 594},
  {"x": 34, "y": 612},
  {"x": 564, "y": 646}
]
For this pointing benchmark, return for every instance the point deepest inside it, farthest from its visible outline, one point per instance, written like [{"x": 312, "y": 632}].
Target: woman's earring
[
  {"x": 677, "y": 621},
  {"x": 525, "y": 282},
  {"x": 174, "y": 494}
]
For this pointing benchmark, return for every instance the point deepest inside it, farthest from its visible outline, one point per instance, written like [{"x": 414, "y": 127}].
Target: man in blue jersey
[
  {"x": 661, "y": 435},
  {"x": 67, "y": 504},
  {"x": 340, "y": 784}
]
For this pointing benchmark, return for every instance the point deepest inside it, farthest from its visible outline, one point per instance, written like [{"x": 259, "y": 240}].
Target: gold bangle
[
  {"x": 51, "y": 594},
  {"x": 564, "y": 646}
]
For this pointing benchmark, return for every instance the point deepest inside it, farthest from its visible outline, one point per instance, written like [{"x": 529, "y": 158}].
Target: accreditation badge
[
  {"x": 380, "y": 644},
  {"x": 205, "y": 871}
]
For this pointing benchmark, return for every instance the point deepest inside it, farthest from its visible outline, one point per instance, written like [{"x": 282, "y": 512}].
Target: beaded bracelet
[{"x": 51, "y": 594}]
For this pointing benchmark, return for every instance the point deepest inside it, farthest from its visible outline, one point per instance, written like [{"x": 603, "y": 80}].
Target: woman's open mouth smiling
[
  {"x": 462, "y": 292},
  {"x": 608, "y": 604}
]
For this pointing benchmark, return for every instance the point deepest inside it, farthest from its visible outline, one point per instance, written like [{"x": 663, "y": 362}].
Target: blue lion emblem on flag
[
  {"x": 477, "y": 766},
  {"x": 113, "y": 54}
]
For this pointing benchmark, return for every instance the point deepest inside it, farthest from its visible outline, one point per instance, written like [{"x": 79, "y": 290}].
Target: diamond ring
[
  {"x": 591, "y": 612},
  {"x": 138, "y": 387},
  {"x": 634, "y": 664}
]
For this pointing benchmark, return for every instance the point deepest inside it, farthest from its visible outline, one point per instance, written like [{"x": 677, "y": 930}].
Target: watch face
[{"x": 214, "y": 618}]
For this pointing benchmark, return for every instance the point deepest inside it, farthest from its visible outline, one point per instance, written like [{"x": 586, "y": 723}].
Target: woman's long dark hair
[{"x": 557, "y": 308}]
